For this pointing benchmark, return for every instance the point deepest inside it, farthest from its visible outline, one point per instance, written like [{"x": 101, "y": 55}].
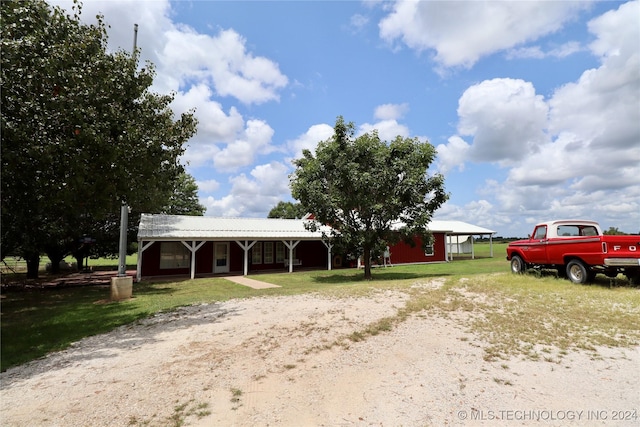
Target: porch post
[
  {"x": 245, "y": 247},
  {"x": 291, "y": 245},
  {"x": 193, "y": 247},
  {"x": 141, "y": 248}
]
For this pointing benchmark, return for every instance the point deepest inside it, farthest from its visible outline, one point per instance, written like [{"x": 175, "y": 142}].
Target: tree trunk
[
  {"x": 367, "y": 263},
  {"x": 55, "y": 256},
  {"x": 79, "y": 261},
  {"x": 33, "y": 265}
]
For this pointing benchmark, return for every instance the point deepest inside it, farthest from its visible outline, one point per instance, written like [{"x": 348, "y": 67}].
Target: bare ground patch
[{"x": 297, "y": 361}]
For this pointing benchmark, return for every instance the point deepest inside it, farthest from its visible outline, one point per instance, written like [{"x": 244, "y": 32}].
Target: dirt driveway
[{"x": 289, "y": 361}]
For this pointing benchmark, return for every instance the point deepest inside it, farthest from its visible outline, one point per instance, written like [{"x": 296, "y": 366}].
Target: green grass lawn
[{"x": 513, "y": 314}]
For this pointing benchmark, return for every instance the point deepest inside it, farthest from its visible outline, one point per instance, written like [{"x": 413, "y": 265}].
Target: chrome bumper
[{"x": 622, "y": 262}]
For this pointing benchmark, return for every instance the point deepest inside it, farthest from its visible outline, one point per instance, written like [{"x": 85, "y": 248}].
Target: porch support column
[
  {"x": 491, "y": 245},
  {"x": 245, "y": 247},
  {"x": 473, "y": 250},
  {"x": 291, "y": 245},
  {"x": 141, "y": 248},
  {"x": 193, "y": 246},
  {"x": 329, "y": 247}
]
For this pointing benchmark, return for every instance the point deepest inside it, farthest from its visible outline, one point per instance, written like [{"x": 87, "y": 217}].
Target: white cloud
[
  {"x": 452, "y": 155},
  {"x": 214, "y": 125},
  {"x": 358, "y": 22},
  {"x": 536, "y": 52},
  {"x": 602, "y": 106},
  {"x": 388, "y": 130},
  {"x": 251, "y": 195},
  {"x": 310, "y": 139},
  {"x": 223, "y": 61},
  {"x": 461, "y": 33},
  {"x": 256, "y": 139},
  {"x": 208, "y": 186},
  {"x": 506, "y": 119},
  {"x": 574, "y": 155},
  {"x": 200, "y": 154},
  {"x": 391, "y": 111}
]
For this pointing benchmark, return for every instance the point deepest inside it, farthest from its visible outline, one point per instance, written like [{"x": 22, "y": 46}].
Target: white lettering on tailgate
[{"x": 631, "y": 248}]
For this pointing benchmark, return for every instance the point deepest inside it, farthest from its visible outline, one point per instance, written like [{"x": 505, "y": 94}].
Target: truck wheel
[
  {"x": 518, "y": 265},
  {"x": 577, "y": 272}
]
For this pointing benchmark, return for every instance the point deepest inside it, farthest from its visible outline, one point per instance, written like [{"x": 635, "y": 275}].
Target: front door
[{"x": 221, "y": 257}]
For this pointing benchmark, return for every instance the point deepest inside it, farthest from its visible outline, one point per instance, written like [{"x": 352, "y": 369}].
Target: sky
[{"x": 533, "y": 107}]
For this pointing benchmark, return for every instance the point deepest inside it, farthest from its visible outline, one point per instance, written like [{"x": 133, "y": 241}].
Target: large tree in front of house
[
  {"x": 81, "y": 132},
  {"x": 364, "y": 188}
]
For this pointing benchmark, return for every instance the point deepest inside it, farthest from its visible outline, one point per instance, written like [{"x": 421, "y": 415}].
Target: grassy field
[{"x": 534, "y": 315}]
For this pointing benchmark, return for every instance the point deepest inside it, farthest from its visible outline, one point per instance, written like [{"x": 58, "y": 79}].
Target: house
[{"x": 177, "y": 245}]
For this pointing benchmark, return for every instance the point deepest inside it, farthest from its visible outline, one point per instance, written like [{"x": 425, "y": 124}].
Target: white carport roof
[
  {"x": 184, "y": 227},
  {"x": 453, "y": 228},
  {"x": 458, "y": 228}
]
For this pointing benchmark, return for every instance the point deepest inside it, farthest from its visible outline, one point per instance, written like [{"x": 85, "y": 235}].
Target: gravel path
[{"x": 285, "y": 361}]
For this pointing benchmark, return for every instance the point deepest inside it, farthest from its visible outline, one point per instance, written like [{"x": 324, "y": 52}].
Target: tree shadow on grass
[{"x": 376, "y": 276}]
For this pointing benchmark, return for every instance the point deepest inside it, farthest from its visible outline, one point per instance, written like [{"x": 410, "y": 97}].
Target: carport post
[{"x": 329, "y": 246}]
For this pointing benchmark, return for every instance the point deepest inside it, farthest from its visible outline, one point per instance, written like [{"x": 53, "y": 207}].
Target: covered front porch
[{"x": 172, "y": 245}]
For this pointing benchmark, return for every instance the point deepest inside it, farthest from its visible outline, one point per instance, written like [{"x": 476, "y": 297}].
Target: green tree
[
  {"x": 287, "y": 210},
  {"x": 371, "y": 193},
  {"x": 184, "y": 200},
  {"x": 81, "y": 132},
  {"x": 613, "y": 231}
]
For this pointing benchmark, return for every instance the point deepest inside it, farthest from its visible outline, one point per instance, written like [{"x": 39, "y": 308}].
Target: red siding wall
[
  {"x": 310, "y": 253},
  {"x": 151, "y": 263},
  {"x": 403, "y": 253}
]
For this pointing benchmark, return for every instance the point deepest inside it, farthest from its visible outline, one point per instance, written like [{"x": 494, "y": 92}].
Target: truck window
[
  {"x": 576, "y": 230},
  {"x": 568, "y": 231},
  {"x": 541, "y": 232}
]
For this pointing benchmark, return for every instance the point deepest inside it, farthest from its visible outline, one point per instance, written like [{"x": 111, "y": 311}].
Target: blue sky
[{"x": 534, "y": 107}]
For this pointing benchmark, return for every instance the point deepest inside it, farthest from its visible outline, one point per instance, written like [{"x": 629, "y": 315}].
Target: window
[
  {"x": 576, "y": 230},
  {"x": 279, "y": 252},
  {"x": 174, "y": 255},
  {"x": 429, "y": 250},
  {"x": 268, "y": 253},
  {"x": 541, "y": 232},
  {"x": 568, "y": 230},
  {"x": 256, "y": 253}
]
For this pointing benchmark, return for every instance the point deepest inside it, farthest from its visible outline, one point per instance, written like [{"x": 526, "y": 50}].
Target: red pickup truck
[{"x": 578, "y": 250}]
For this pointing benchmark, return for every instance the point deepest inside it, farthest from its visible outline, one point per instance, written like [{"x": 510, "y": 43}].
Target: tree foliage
[
  {"x": 81, "y": 131},
  {"x": 184, "y": 199},
  {"x": 613, "y": 231},
  {"x": 370, "y": 192},
  {"x": 287, "y": 210}
]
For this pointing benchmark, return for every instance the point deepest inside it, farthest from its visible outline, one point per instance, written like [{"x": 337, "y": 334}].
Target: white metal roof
[
  {"x": 458, "y": 228},
  {"x": 175, "y": 227},
  {"x": 178, "y": 227},
  {"x": 452, "y": 228}
]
